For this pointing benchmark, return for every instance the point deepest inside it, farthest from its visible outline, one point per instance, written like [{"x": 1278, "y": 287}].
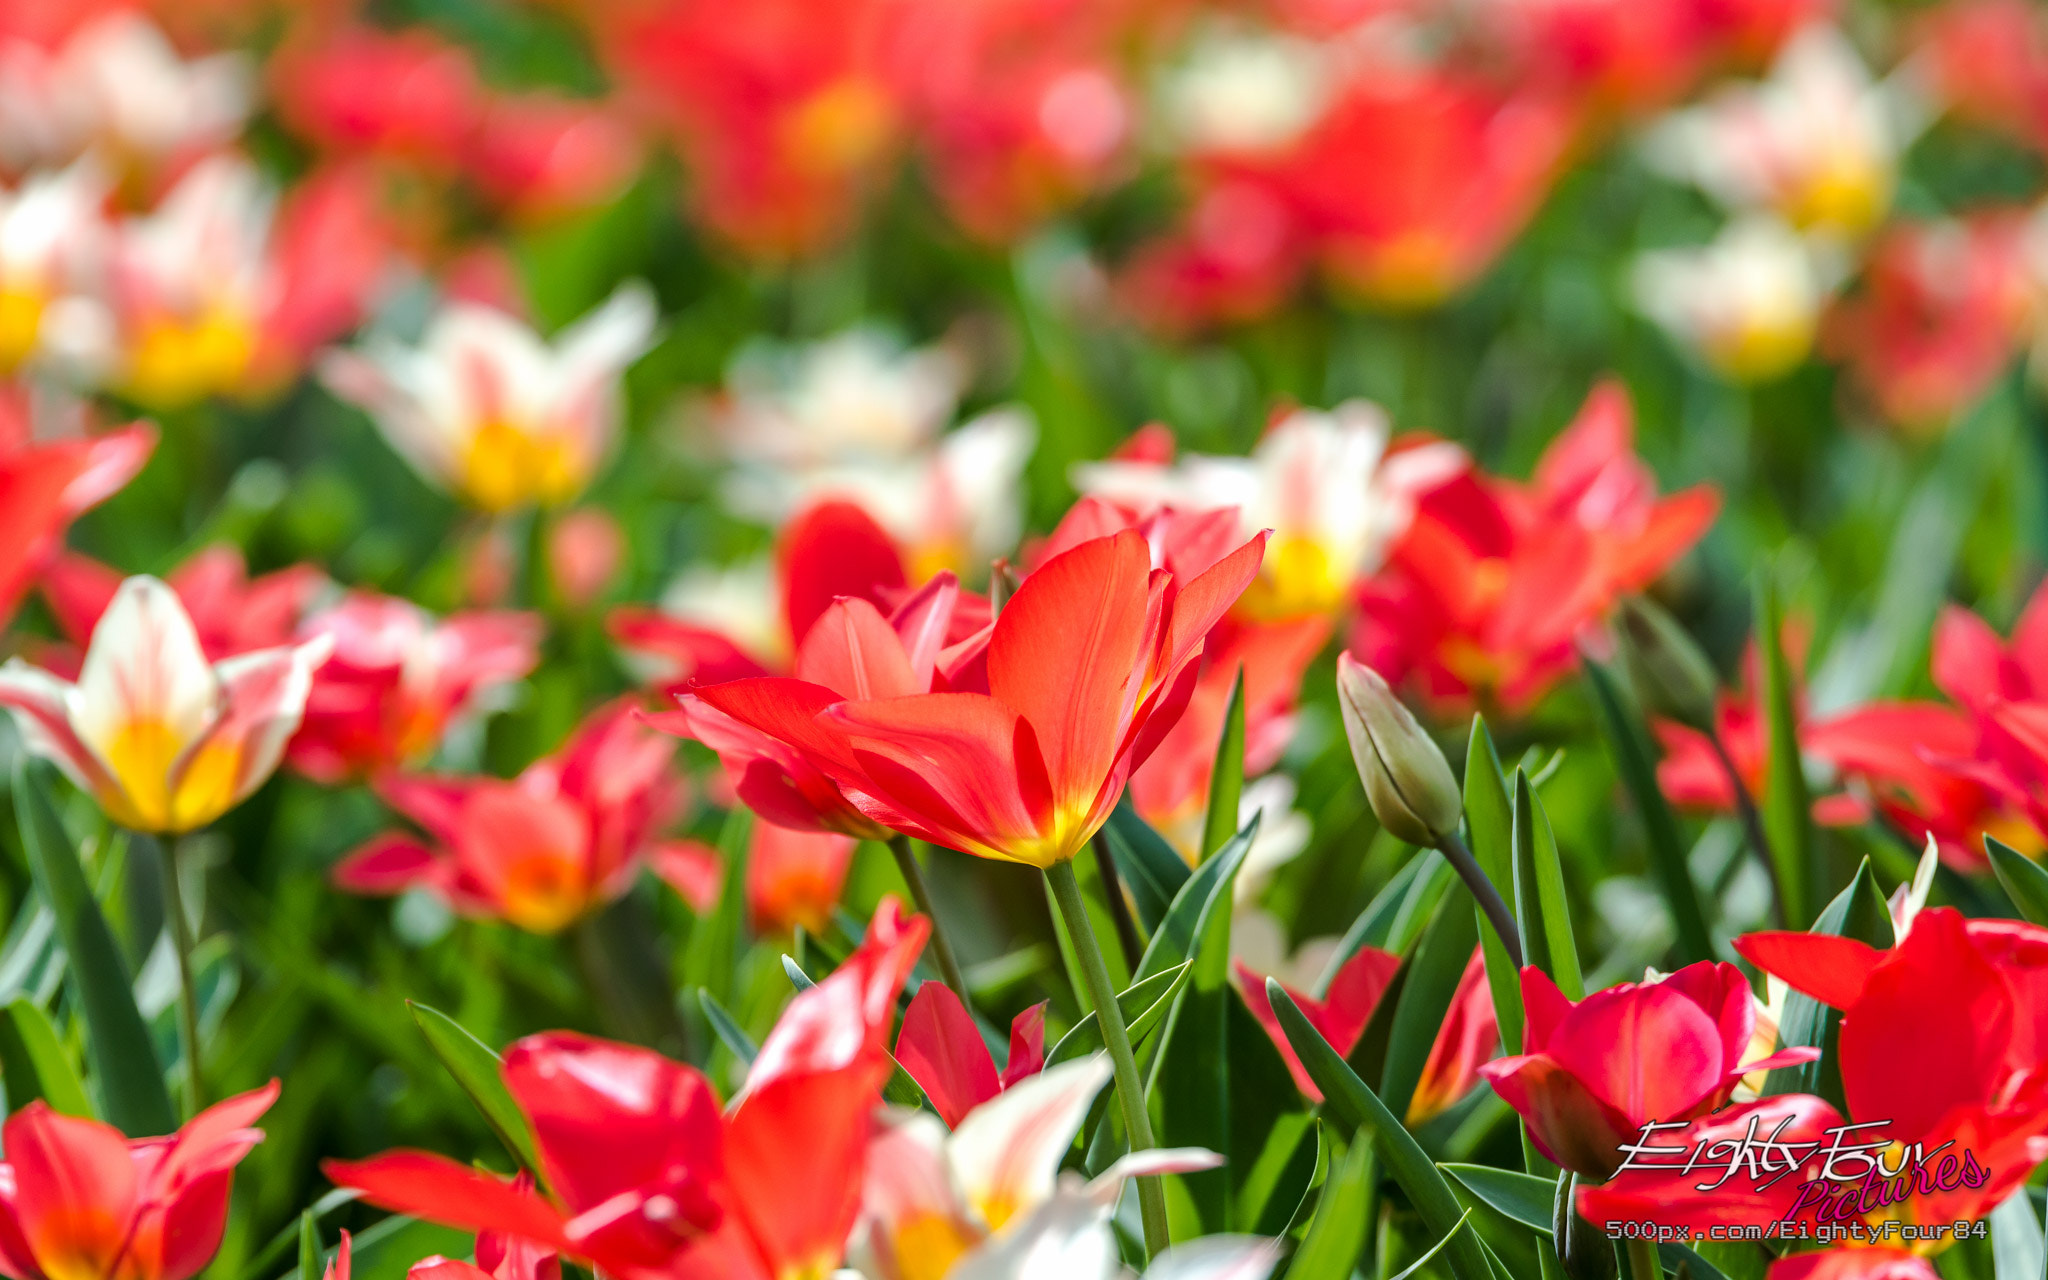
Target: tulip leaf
[
  {"x": 125, "y": 1069},
  {"x": 727, "y": 1030},
  {"x": 1634, "y": 761},
  {"x": 1278, "y": 1177},
  {"x": 1144, "y": 1005},
  {"x": 34, "y": 1064},
  {"x": 388, "y": 1250},
  {"x": 1337, "y": 1232},
  {"x": 2017, "y": 1251},
  {"x": 1432, "y": 1251},
  {"x": 1489, "y": 828},
  {"x": 1151, "y": 869},
  {"x": 1412, "y": 890},
  {"x": 309, "y": 1247},
  {"x": 1226, "y": 780},
  {"x": 1858, "y": 912},
  {"x": 478, "y": 1070},
  {"x": 1347, "y": 1100},
  {"x": 2023, "y": 879},
  {"x": 1425, "y": 1001},
  {"x": 1541, "y": 905},
  {"x": 1189, "y": 1084},
  {"x": 1788, "y": 819},
  {"x": 1318, "y": 1178},
  {"x": 712, "y": 955},
  {"x": 259, "y": 1265},
  {"x": 1521, "y": 1197},
  {"x": 796, "y": 975}
]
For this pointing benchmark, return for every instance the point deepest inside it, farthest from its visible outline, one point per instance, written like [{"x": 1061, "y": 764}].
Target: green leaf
[
  {"x": 1346, "y": 1098},
  {"x": 1336, "y": 1235},
  {"x": 2017, "y": 1251},
  {"x": 388, "y": 1250},
  {"x": 2024, "y": 880},
  {"x": 309, "y": 1247},
  {"x": 711, "y": 957},
  {"x": 1858, "y": 912},
  {"x": 1414, "y": 888},
  {"x": 1226, "y": 781},
  {"x": 1523, "y": 1197},
  {"x": 1788, "y": 809},
  {"x": 728, "y": 1031},
  {"x": 1540, "y": 902},
  {"x": 1635, "y": 761},
  {"x": 1174, "y": 939},
  {"x": 476, "y": 1068},
  {"x": 1433, "y": 1250},
  {"x": 1144, "y": 1005},
  {"x": 125, "y": 1068},
  {"x": 1425, "y": 1002},
  {"x": 34, "y": 1064},
  {"x": 259, "y": 1264},
  {"x": 1151, "y": 869},
  {"x": 1489, "y": 828}
]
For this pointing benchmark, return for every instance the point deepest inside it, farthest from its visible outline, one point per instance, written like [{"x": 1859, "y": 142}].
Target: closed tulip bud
[
  {"x": 1670, "y": 674},
  {"x": 1407, "y": 780},
  {"x": 1587, "y": 1253}
]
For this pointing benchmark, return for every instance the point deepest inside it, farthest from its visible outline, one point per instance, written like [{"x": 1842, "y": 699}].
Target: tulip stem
[
  {"x": 942, "y": 951},
  {"x": 1483, "y": 893},
  {"x": 1127, "y": 938},
  {"x": 1752, "y": 823},
  {"x": 1643, "y": 1262},
  {"x": 188, "y": 987},
  {"x": 1066, "y": 891}
]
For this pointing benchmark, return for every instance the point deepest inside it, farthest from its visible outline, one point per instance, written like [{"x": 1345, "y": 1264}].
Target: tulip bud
[
  {"x": 1587, "y": 1254},
  {"x": 1407, "y": 780},
  {"x": 1670, "y": 674},
  {"x": 585, "y": 550}
]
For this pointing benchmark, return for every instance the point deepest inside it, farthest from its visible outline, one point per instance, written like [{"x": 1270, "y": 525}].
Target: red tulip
[
  {"x": 405, "y": 95},
  {"x": 80, "y": 1202},
  {"x": 232, "y": 612},
  {"x": 542, "y": 155},
  {"x": 795, "y": 877},
  {"x": 45, "y": 485},
  {"x": 830, "y": 551},
  {"x": 1487, "y": 592},
  {"x": 1467, "y": 1038},
  {"x": 541, "y": 850},
  {"x": 1665, "y": 1191},
  {"x": 398, "y": 677},
  {"x": 943, "y": 1051},
  {"x": 1872, "y": 1262},
  {"x": 645, "y": 1176},
  {"x": 1087, "y": 667},
  {"x": 1591, "y": 1074}
]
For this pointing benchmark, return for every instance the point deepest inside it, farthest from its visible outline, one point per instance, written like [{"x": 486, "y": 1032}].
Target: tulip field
[{"x": 1023, "y": 640}]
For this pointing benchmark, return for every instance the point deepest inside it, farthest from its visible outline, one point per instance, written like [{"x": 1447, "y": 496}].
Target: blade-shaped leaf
[
  {"x": 1489, "y": 828},
  {"x": 2023, "y": 879},
  {"x": 1348, "y": 1100},
  {"x": 1636, "y": 764},
  {"x": 712, "y": 955},
  {"x": 1336, "y": 1235},
  {"x": 1173, "y": 941},
  {"x": 1150, "y": 868},
  {"x": 1226, "y": 780},
  {"x": 1788, "y": 819},
  {"x": 309, "y": 1247},
  {"x": 1414, "y": 888},
  {"x": 1425, "y": 1002},
  {"x": 1541, "y": 906},
  {"x": 1524, "y": 1197},
  {"x": 125, "y": 1069},
  {"x": 1433, "y": 1250},
  {"x": 727, "y": 1029},
  {"x": 34, "y": 1064},
  {"x": 388, "y": 1250},
  {"x": 1144, "y": 1005},
  {"x": 475, "y": 1067},
  {"x": 1858, "y": 912}
]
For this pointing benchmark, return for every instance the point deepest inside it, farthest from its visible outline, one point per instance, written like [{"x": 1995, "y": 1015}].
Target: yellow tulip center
[
  {"x": 1848, "y": 194},
  {"x": 175, "y": 361},
  {"x": 1299, "y": 578},
  {"x": 510, "y": 465},
  {"x": 839, "y": 128},
  {"x": 928, "y": 1244},
  {"x": 1762, "y": 344},
  {"x": 142, "y": 755},
  {"x": 21, "y": 324}
]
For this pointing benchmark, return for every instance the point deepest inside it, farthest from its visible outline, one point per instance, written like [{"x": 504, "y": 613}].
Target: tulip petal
[
  {"x": 1200, "y": 603},
  {"x": 942, "y": 1050},
  {"x": 40, "y": 702},
  {"x": 907, "y": 1185},
  {"x": 610, "y": 1118},
  {"x": 1065, "y": 655},
  {"x": 440, "y": 1190},
  {"x": 1673, "y": 1195},
  {"x": 1649, "y": 1051},
  {"x": 1870, "y": 1262},
  {"x": 922, "y": 622},
  {"x": 831, "y": 550},
  {"x": 1006, "y": 1154},
  {"x": 795, "y": 1149},
  {"x": 264, "y": 698},
  {"x": 1027, "y": 1045},
  {"x": 846, "y": 1018},
  {"x": 1568, "y": 1124},
  {"x": 852, "y": 650},
  {"x": 76, "y": 1188},
  {"x": 144, "y": 666},
  {"x": 1831, "y": 969}
]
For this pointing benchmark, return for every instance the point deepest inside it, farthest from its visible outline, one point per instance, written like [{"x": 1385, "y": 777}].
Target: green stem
[
  {"x": 1752, "y": 823},
  {"x": 1066, "y": 891},
  {"x": 188, "y": 988},
  {"x": 1643, "y": 1263},
  {"x": 1119, "y": 909},
  {"x": 1459, "y": 855},
  {"x": 942, "y": 951}
]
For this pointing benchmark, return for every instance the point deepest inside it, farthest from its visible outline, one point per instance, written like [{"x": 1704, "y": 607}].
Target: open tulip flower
[
  {"x": 78, "y": 1201},
  {"x": 1467, "y": 1039},
  {"x": 942, "y": 1049},
  {"x": 232, "y": 612},
  {"x": 164, "y": 740},
  {"x": 644, "y": 1175},
  {"x": 1591, "y": 1074},
  {"x": 488, "y": 410},
  {"x": 398, "y": 678},
  {"x": 543, "y": 849},
  {"x": 934, "y": 1201}
]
